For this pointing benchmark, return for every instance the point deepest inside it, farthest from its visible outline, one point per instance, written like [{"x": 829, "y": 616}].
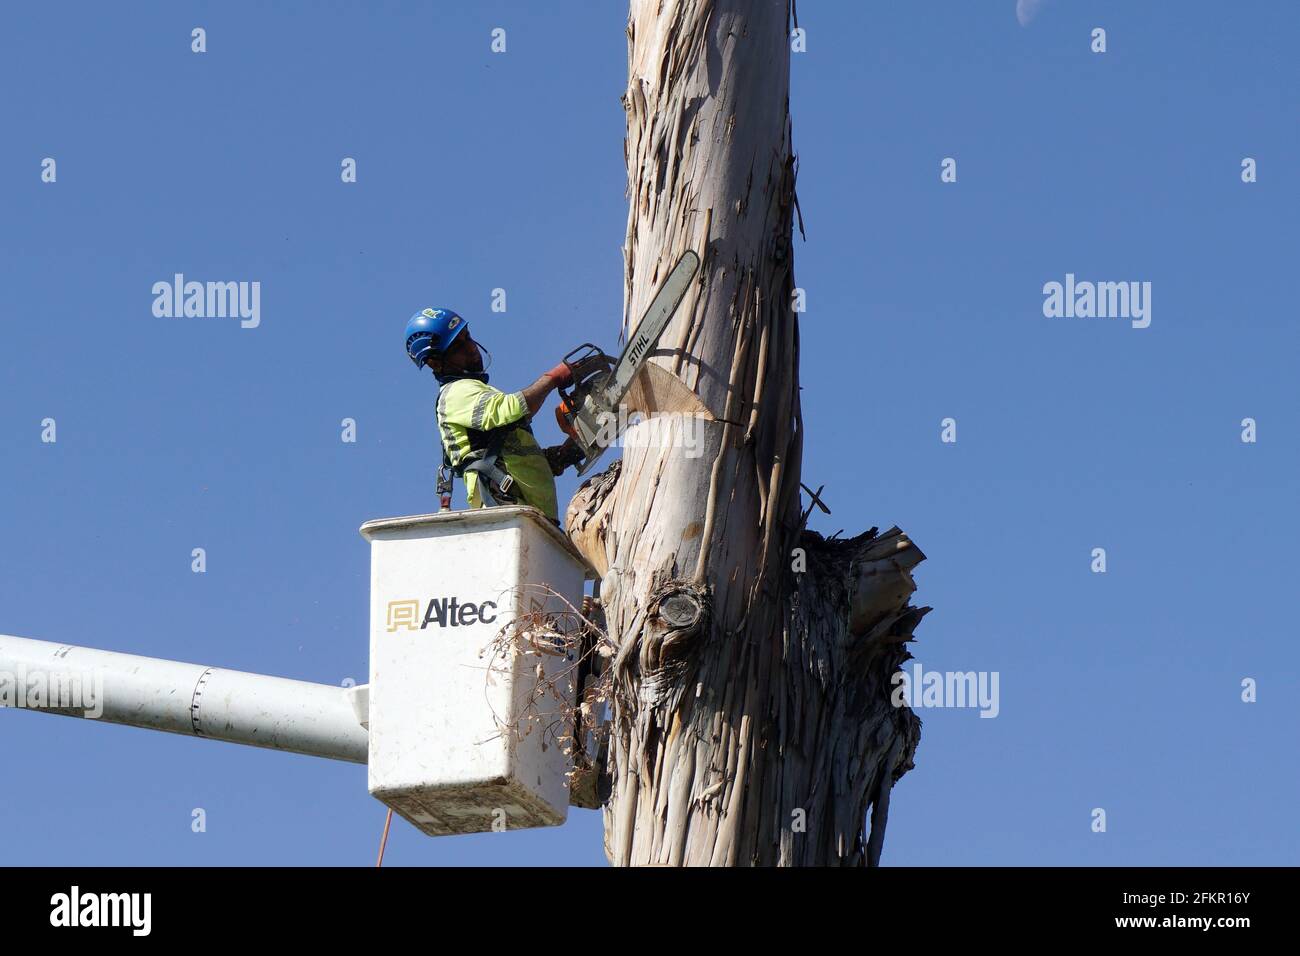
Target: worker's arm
[
  {"x": 563, "y": 375},
  {"x": 476, "y": 405},
  {"x": 536, "y": 393}
]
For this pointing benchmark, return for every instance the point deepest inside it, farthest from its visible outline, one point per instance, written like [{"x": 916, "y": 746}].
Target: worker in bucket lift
[{"x": 486, "y": 433}]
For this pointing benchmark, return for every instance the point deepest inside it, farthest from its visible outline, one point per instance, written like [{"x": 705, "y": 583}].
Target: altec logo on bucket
[{"x": 445, "y": 612}]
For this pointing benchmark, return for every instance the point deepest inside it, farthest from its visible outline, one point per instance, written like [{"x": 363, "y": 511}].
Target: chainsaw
[{"x": 589, "y": 408}]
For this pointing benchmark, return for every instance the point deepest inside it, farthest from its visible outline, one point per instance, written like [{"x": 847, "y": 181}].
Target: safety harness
[{"x": 495, "y": 484}]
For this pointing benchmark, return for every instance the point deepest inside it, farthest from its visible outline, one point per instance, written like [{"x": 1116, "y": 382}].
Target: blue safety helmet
[{"x": 430, "y": 333}]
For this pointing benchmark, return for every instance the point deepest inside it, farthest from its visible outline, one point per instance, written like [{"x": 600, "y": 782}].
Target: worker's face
[{"x": 463, "y": 356}]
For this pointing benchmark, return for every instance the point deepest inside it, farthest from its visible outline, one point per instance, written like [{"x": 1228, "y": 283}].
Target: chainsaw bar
[
  {"x": 652, "y": 325},
  {"x": 592, "y": 421}
]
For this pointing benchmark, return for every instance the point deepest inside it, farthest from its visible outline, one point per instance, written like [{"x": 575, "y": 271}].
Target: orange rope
[{"x": 383, "y": 841}]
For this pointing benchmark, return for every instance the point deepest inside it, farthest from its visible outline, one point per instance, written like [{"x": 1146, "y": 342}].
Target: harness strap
[
  {"x": 494, "y": 482},
  {"x": 483, "y": 459}
]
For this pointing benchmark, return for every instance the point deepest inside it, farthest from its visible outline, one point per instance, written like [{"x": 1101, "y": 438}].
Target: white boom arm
[{"x": 192, "y": 699}]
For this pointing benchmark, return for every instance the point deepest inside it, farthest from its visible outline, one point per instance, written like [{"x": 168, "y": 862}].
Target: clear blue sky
[{"x": 479, "y": 171}]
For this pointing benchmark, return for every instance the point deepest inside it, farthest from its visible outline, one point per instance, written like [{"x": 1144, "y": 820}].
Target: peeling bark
[{"x": 751, "y": 714}]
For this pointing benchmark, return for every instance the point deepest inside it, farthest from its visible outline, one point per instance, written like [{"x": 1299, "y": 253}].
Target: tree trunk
[{"x": 750, "y": 695}]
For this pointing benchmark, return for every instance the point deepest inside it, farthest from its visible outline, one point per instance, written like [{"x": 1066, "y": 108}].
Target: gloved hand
[
  {"x": 580, "y": 370},
  {"x": 560, "y": 457},
  {"x": 561, "y": 376}
]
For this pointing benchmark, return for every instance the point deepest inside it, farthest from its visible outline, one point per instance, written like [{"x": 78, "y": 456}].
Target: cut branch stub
[
  {"x": 678, "y": 614},
  {"x": 680, "y": 609}
]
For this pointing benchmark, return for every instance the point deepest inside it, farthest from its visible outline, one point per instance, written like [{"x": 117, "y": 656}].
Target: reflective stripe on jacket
[{"x": 466, "y": 406}]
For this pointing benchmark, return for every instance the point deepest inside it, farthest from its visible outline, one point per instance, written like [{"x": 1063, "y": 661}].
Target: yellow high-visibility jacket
[{"x": 467, "y": 408}]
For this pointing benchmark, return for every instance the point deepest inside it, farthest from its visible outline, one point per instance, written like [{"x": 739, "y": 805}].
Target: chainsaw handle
[
  {"x": 598, "y": 367},
  {"x": 585, "y": 350}
]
